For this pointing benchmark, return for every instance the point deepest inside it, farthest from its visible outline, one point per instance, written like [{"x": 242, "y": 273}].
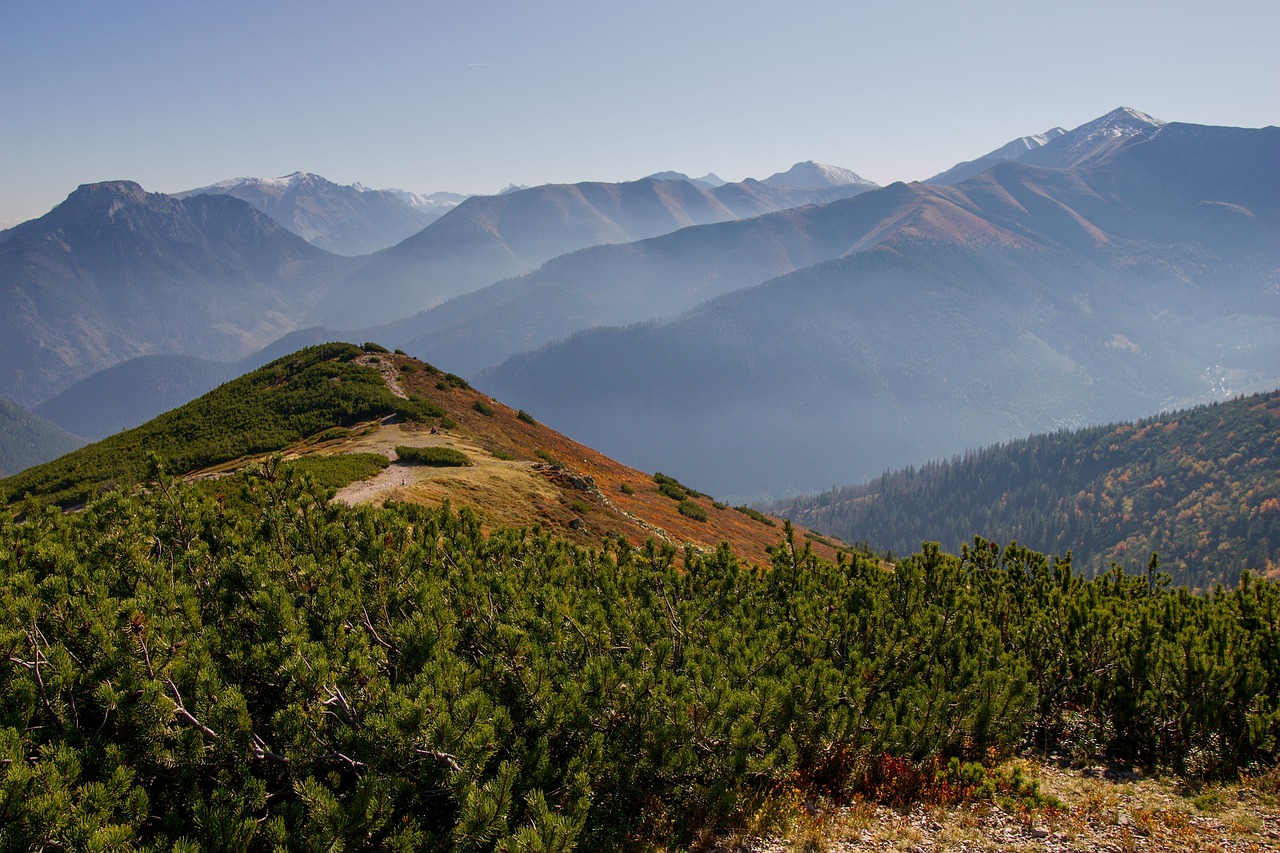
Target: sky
[{"x": 472, "y": 96}]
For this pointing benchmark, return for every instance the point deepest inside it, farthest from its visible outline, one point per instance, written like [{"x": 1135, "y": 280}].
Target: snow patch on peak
[
  {"x": 437, "y": 201},
  {"x": 1015, "y": 149},
  {"x": 1122, "y": 121},
  {"x": 811, "y": 174}
]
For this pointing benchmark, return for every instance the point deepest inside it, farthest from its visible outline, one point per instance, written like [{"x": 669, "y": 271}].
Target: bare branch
[
  {"x": 181, "y": 711},
  {"x": 261, "y": 752},
  {"x": 338, "y": 705},
  {"x": 441, "y": 756},
  {"x": 368, "y": 623}
]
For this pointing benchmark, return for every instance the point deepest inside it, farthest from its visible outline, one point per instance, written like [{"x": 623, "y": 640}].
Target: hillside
[
  {"x": 1201, "y": 487},
  {"x": 1024, "y": 300},
  {"x": 26, "y": 439},
  {"x": 115, "y": 272},
  {"x": 336, "y": 400},
  {"x": 134, "y": 391}
]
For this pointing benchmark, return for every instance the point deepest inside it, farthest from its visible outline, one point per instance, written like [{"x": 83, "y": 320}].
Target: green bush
[
  {"x": 627, "y": 489},
  {"x": 331, "y": 435},
  {"x": 417, "y": 409},
  {"x": 692, "y": 510},
  {"x": 673, "y": 488},
  {"x": 756, "y": 514},
  {"x": 440, "y": 457},
  {"x": 372, "y": 347},
  {"x": 525, "y": 416},
  {"x": 483, "y": 408},
  {"x": 340, "y": 469}
]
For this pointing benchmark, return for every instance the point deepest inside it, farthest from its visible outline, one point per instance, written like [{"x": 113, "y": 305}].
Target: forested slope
[
  {"x": 27, "y": 439},
  {"x": 1201, "y": 487}
]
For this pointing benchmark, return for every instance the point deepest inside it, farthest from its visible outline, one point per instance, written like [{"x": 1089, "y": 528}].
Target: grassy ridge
[{"x": 293, "y": 397}]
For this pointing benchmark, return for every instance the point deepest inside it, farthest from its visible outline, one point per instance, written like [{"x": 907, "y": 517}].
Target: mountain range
[
  {"x": 826, "y": 331},
  {"x": 115, "y": 272},
  {"x": 486, "y": 239},
  {"x": 1025, "y": 299},
  {"x": 343, "y": 219}
]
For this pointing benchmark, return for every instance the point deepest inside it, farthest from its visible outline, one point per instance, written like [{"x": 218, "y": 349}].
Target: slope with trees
[
  {"x": 291, "y": 398},
  {"x": 1201, "y": 487},
  {"x": 27, "y": 439},
  {"x": 328, "y": 409}
]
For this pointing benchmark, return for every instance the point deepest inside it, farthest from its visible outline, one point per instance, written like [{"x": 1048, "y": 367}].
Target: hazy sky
[{"x": 470, "y": 96}]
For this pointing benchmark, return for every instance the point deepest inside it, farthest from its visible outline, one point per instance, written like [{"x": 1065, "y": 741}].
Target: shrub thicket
[
  {"x": 284, "y": 672},
  {"x": 692, "y": 510},
  {"x": 440, "y": 457}
]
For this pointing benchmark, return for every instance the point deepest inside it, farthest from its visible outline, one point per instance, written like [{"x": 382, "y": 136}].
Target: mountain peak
[
  {"x": 1095, "y": 141},
  {"x": 109, "y": 189},
  {"x": 1122, "y": 121},
  {"x": 667, "y": 176},
  {"x": 811, "y": 174}
]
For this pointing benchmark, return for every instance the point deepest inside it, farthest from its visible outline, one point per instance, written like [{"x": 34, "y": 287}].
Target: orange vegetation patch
[{"x": 524, "y": 474}]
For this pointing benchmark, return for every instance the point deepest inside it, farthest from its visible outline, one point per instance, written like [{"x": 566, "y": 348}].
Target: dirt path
[
  {"x": 390, "y": 373},
  {"x": 387, "y": 483}
]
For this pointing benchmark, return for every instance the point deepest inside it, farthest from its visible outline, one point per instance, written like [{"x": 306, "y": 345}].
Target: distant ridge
[
  {"x": 344, "y": 219},
  {"x": 1094, "y": 141},
  {"x": 1014, "y": 150},
  {"x": 487, "y": 239},
  {"x": 1060, "y": 149},
  {"x": 115, "y": 272}
]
